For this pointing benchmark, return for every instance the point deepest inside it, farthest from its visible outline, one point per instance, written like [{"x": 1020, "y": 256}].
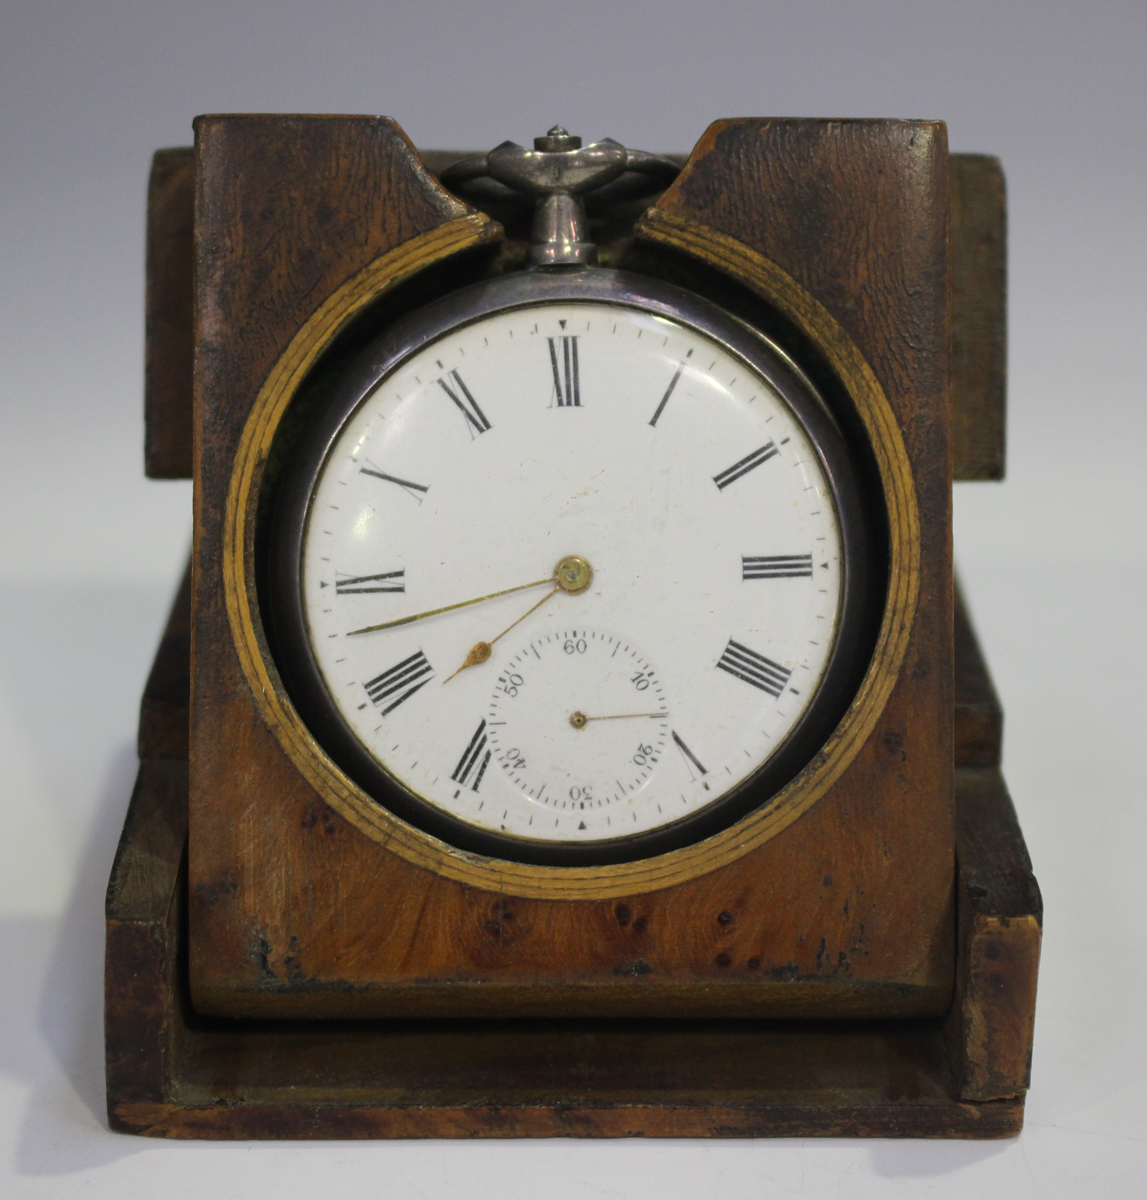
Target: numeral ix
[{"x": 754, "y": 668}]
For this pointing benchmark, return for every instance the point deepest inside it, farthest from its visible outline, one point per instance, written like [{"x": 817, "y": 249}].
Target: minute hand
[{"x": 433, "y": 612}]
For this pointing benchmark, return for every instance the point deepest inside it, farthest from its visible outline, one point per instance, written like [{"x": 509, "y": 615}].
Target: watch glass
[{"x": 566, "y": 570}]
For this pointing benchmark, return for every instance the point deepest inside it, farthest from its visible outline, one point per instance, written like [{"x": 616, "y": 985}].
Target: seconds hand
[
  {"x": 481, "y": 651},
  {"x": 579, "y": 720}
]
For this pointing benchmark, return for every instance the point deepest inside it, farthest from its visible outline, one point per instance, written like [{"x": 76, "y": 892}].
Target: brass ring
[{"x": 622, "y": 879}]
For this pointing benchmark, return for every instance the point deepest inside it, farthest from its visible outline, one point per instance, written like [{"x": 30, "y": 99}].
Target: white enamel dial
[{"x": 653, "y": 453}]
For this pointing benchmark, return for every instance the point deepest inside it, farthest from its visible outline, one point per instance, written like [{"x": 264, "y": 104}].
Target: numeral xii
[{"x": 564, "y": 364}]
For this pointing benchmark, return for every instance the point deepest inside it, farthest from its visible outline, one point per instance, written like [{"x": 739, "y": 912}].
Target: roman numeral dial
[{"x": 547, "y": 723}]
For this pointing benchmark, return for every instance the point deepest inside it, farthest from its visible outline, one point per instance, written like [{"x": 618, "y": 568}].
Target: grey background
[{"x": 1053, "y": 560}]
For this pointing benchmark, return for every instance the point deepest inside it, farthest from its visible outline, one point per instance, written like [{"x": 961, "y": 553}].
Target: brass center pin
[{"x": 573, "y": 574}]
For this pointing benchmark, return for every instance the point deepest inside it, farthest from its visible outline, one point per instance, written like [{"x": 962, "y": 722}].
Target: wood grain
[
  {"x": 979, "y": 311},
  {"x": 992, "y": 1022},
  {"x": 142, "y": 909},
  {"x": 979, "y": 316}
]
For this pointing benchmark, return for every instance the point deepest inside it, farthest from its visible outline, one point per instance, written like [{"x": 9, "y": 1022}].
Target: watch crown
[
  {"x": 557, "y": 138},
  {"x": 557, "y": 173}
]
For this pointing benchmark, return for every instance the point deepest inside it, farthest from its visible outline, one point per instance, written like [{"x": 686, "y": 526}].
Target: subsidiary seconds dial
[
  {"x": 579, "y": 723},
  {"x": 568, "y": 571}
]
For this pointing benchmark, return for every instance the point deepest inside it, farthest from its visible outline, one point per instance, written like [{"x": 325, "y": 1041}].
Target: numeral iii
[
  {"x": 754, "y": 668},
  {"x": 563, "y": 360},
  {"x": 777, "y": 566},
  {"x": 404, "y": 678}
]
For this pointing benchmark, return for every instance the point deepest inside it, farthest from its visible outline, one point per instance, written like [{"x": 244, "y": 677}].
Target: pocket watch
[{"x": 571, "y": 566}]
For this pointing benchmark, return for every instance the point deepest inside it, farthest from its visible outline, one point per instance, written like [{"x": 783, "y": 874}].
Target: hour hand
[{"x": 572, "y": 575}]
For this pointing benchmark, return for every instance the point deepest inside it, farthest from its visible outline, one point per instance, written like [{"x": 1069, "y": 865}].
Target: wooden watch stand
[{"x": 174, "y": 1072}]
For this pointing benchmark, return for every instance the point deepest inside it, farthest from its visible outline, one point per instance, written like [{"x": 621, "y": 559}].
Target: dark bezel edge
[{"x": 287, "y": 628}]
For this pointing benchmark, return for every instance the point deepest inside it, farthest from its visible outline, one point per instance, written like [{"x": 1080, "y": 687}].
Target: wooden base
[{"x": 172, "y": 1073}]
